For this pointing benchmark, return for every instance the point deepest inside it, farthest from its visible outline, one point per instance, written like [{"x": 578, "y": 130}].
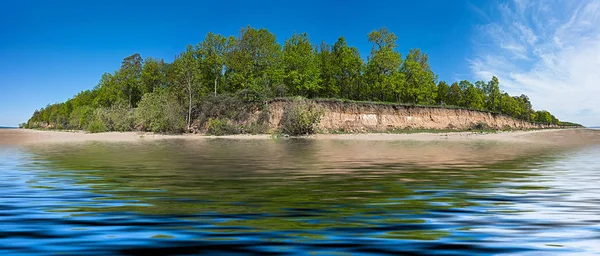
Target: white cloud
[{"x": 549, "y": 50}]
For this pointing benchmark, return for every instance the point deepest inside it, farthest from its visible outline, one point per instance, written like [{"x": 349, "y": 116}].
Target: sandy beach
[{"x": 550, "y": 137}]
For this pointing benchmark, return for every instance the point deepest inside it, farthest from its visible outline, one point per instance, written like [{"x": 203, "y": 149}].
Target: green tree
[
  {"x": 527, "y": 109},
  {"x": 455, "y": 96},
  {"x": 187, "y": 76},
  {"x": 420, "y": 85},
  {"x": 443, "y": 93},
  {"x": 255, "y": 61},
  {"x": 80, "y": 117},
  {"x": 129, "y": 78},
  {"x": 347, "y": 66},
  {"x": 508, "y": 105},
  {"x": 302, "y": 74},
  {"x": 545, "y": 117},
  {"x": 154, "y": 75},
  {"x": 383, "y": 67},
  {"x": 326, "y": 63},
  {"x": 255, "y": 67},
  {"x": 473, "y": 98},
  {"x": 493, "y": 95},
  {"x": 109, "y": 91},
  {"x": 212, "y": 51}
]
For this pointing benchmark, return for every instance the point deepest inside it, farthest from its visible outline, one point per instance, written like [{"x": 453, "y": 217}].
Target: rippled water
[{"x": 299, "y": 196}]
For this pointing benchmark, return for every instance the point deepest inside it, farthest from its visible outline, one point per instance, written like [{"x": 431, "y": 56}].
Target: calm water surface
[{"x": 298, "y": 197}]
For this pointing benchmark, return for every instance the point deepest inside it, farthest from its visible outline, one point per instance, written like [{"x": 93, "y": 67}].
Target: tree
[
  {"x": 302, "y": 74},
  {"x": 382, "y": 39},
  {"x": 455, "y": 96},
  {"x": 443, "y": 93},
  {"x": 347, "y": 66},
  {"x": 212, "y": 51},
  {"x": 526, "y": 106},
  {"x": 254, "y": 67},
  {"x": 420, "y": 80},
  {"x": 384, "y": 62},
  {"x": 187, "y": 76},
  {"x": 545, "y": 117},
  {"x": 326, "y": 63},
  {"x": 473, "y": 98},
  {"x": 254, "y": 61},
  {"x": 154, "y": 75},
  {"x": 109, "y": 90},
  {"x": 129, "y": 77},
  {"x": 508, "y": 105},
  {"x": 493, "y": 94}
]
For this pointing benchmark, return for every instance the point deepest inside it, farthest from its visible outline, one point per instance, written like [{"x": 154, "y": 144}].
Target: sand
[{"x": 550, "y": 137}]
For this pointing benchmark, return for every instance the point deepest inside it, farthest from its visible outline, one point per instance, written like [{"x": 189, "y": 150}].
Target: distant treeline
[{"x": 153, "y": 95}]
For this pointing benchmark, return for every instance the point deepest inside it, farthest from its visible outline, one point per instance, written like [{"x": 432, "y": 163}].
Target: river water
[{"x": 299, "y": 196}]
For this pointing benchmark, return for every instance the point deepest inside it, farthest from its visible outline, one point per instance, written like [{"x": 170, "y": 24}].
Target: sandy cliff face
[{"x": 359, "y": 117}]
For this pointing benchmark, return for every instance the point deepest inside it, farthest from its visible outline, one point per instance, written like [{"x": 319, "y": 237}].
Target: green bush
[
  {"x": 235, "y": 107},
  {"x": 121, "y": 119},
  {"x": 300, "y": 117},
  {"x": 118, "y": 117},
  {"x": 480, "y": 126},
  {"x": 159, "y": 112},
  {"x": 261, "y": 126},
  {"x": 257, "y": 128},
  {"x": 220, "y": 127},
  {"x": 80, "y": 117},
  {"x": 215, "y": 127},
  {"x": 96, "y": 126}
]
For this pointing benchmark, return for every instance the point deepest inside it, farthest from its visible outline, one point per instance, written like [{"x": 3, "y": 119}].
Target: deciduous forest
[{"x": 229, "y": 72}]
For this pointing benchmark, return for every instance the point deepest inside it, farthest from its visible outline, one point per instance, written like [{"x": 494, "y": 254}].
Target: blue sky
[{"x": 50, "y": 50}]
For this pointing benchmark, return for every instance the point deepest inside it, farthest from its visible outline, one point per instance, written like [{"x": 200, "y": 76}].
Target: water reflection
[{"x": 292, "y": 196}]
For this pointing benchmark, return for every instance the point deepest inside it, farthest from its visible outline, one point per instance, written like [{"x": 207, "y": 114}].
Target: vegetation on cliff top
[{"x": 224, "y": 78}]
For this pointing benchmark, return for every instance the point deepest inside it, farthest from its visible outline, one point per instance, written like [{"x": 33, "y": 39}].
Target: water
[{"x": 298, "y": 197}]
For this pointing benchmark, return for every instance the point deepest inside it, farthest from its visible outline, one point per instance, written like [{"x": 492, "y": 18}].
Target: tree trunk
[
  {"x": 216, "y": 77},
  {"x": 189, "y": 119}
]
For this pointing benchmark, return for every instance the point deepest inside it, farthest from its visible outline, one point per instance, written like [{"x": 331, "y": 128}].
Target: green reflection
[
  {"x": 162, "y": 236},
  {"x": 300, "y": 186}
]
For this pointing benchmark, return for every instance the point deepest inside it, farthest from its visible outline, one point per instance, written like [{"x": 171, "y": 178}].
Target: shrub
[
  {"x": 264, "y": 116},
  {"x": 261, "y": 125},
  {"x": 159, "y": 112},
  {"x": 220, "y": 127},
  {"x": 118, "y": 117},
  {"x": 121, "y": 118},
  {"x": 236, "y": 107},
  {"x": 300, "y": 117},
  {"x": 80, "y": 117},
  {"x": 257, "y": 128},
  {"x": 96, "y": 126},
  {"x": 480, "y": 126}
]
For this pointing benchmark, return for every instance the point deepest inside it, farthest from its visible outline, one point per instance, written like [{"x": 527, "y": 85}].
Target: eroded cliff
[{"x": 375, "y": 117}]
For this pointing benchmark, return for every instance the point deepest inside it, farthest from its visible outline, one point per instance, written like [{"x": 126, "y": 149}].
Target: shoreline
[{"x": 577, "y": 136}]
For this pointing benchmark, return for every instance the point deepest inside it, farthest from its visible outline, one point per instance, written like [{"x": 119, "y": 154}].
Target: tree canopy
[{"x": 254, "y": 64}]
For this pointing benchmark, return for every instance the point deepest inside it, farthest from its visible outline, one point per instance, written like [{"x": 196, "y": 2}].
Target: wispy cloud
[{"x": 549, "y": 50}]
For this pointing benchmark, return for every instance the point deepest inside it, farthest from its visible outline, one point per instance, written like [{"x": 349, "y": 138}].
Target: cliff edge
[{"x": 381, "y": 117}]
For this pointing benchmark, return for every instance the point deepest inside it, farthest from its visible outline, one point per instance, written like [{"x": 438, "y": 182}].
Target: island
[{"x": 251, "y": 84}]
